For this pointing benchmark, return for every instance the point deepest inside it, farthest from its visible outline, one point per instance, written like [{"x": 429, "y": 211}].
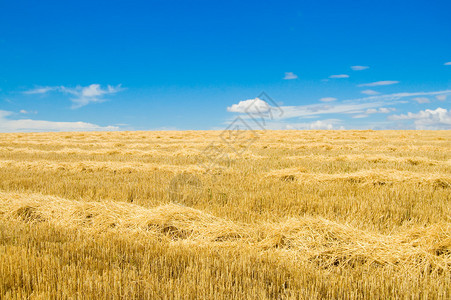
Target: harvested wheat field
[{"x": 158, "y": 215}]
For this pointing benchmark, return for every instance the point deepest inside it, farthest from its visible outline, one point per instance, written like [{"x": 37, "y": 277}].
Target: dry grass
[{"x": 300, "y": 214}]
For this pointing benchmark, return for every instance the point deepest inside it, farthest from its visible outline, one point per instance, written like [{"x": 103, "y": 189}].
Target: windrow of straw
[
  {"x": 373, "y": 176},
  {"x": 327, "y": 243},
  {"x": 96, "y": 166},
  {"x": 411, "y": 160}
]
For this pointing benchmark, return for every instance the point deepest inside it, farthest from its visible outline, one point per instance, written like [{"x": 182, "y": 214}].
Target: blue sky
[{"x": 149, "y": 65}]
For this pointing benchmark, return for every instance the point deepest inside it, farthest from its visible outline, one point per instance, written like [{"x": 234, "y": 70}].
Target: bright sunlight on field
[{"x": 299, "y": 214}]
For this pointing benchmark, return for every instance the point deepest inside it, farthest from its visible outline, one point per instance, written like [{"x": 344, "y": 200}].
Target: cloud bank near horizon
[{"x": 7, "y": 124}]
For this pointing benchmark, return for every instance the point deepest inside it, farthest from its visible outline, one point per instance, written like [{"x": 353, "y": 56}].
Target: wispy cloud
[
  {"x": 428, "y": 119},
  {"x": 326, "y": 124},
  {"x": 304, "y": 111},
  {"x": 381, "y": 110},
  {"x": 447, "y": 63},
  {"x": 441, "y": 97},
  {"x": 90, "y": 94},
  {"x": 339, "y": 76},
  {"x": 7, "y": 124},
  {"x": 369, "y": 92},
  {"x": 378, "y": 83},
  {"x": 349, "y": 106},
  {"x": 328, "y": 99},
  {"x": 409, "y": 94},
  {"x": 83, "y": 95},
  {"x": 315, "y": 125},
  {"x": 421, "y": 100},
  {"x": 359, "y": 68},
  {"x": 23, "y": 111},
  {"x": 290, "y": 75},
  {"x": 40, "y": 90}
]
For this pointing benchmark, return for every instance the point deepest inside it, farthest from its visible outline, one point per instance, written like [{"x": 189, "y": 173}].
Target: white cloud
[
  {"x": 359, "y": 68},
  {"x": 441, "y": 97},
  {"x": 290, "y": 75},
  {"x": 428, "y": 119},
  {"x": 421, "y": 100},
  {"x": 447, "y": 63},
  {"x": 369, "y": 92},
  {"x": 250, "y": 106},
  {"x": 339, "y": 76},
  {"x": 83, "y": 95},
  {"x": 327, "y": 99},
  {"x": 28, "y": 125},
  {"x": 378, "y": 83}
]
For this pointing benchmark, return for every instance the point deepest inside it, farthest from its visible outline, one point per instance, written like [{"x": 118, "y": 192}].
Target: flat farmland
[{"x": 221, "y": 215}]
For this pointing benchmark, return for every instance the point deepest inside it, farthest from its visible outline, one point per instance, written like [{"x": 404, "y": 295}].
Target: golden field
[{"x": 297, "y": 215}]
